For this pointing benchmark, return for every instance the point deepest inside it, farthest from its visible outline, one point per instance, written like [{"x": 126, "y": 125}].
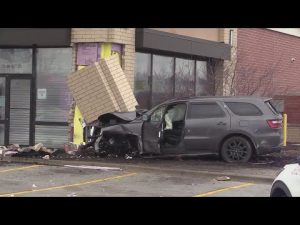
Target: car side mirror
[{"x": 145, "y": 117}]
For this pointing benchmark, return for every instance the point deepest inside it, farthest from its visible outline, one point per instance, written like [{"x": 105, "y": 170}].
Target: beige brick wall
[{"x": 101, "y": 88}]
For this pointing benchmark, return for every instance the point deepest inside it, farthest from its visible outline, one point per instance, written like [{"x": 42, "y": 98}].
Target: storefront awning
[
  {"x": 150, "y": 39},
  {"x": 35, "y": 36}
]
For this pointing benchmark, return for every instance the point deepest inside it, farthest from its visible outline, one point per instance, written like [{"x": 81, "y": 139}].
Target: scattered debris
[
  {"x": 71, "y": 148},
  {"x": 10, "y": 153},
  {"x": 128, "y": 157},
  {"x": 223, "y": 178},
  {"x": 73, "y": 194},
  {"x": 46, "y": 157},
  {"x": 94, "y": 167},
  {"x": 38, "y": 150}
]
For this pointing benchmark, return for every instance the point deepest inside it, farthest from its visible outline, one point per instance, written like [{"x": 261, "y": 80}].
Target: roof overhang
[{"x": 157, "y": 40}]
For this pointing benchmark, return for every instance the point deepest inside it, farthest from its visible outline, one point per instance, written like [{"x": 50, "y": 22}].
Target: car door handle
[{"x": 221, "y": 123}]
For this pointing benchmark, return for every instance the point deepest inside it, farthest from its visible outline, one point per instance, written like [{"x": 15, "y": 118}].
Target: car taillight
[{"x": 274, "y": 123}]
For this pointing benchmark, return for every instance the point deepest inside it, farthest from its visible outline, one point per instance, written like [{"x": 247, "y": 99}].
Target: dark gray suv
[{"x": 236, "y": 128}]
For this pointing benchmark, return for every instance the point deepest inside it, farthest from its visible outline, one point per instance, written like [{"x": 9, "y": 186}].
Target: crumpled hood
[{"x": 121, "y": 116}]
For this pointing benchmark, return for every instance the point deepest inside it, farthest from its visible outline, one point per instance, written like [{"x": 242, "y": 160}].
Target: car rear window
[
  {"x": 205, "y": 110},
  {"x": 244, "y": 109}
]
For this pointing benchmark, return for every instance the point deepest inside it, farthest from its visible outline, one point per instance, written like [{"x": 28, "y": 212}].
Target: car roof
[{"x": 222, "y": 98}]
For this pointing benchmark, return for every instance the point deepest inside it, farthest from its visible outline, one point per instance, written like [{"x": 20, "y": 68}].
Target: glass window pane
[
  {"x": 2, "y": 131},
  {"x": 141, "y": 79},
  {"x": 207, "y": 110},
  {"x": 51, "y": 136},
  {"x": 162, "y": 80},
  {"x": 202, "y": 83},
  {"x": 184, "y": 78},
  {"x": 15, "y": 61},
  {"x": 53, "y": 98},
  {"x": 2, "y": 98},
  {"x": 157, "y": 115},
  {"x": 19, "y": 122},
  {"x": 244, "y": 109}
]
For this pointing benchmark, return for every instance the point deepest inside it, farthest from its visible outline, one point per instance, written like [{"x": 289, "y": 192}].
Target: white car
[{"x": 287, "y": 183}]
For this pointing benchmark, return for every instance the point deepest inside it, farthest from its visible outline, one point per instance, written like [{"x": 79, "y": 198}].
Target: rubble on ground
[
  {"x": 69, "y": 151},
  {"x": 85, "y": 151},
  {"x": 36, "y": 150}
]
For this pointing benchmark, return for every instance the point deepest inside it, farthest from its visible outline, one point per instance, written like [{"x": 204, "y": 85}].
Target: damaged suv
[{"x": 236, "y": 128}]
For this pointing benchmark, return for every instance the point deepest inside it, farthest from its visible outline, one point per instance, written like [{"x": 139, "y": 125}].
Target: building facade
[
  {"x": 36, "y": 105},
  {"x": 268, "y": 64}
]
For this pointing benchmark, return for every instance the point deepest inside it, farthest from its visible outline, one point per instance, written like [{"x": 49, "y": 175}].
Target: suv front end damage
[{"x": 118, "y": 134}]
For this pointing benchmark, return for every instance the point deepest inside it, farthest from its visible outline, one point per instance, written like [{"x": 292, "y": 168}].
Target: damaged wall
[
  {"x": 103, "y": 37},
  {"x": 100, "y": 88},
  {"x": 125, "y": 36}
]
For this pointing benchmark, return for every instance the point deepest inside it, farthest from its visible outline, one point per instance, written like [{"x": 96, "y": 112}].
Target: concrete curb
[{"x": 246, "y": 177}]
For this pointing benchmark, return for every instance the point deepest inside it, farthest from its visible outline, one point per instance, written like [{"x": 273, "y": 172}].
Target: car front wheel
[
  {"x": 236, "y": 149},
  {"x": 279, "y": 189}
]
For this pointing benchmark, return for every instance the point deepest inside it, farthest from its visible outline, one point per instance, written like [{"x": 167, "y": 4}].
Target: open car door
[{"x": 152, "y": 131}]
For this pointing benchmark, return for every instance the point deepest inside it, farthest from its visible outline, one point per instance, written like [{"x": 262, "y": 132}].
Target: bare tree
[{"x": 237, "y": 77}]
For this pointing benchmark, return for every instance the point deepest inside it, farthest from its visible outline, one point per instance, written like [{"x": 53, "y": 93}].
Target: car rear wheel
[{"x": 236, "y": 149}]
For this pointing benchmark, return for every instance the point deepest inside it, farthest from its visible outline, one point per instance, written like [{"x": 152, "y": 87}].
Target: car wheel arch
[{"x": 280, "y": 189}]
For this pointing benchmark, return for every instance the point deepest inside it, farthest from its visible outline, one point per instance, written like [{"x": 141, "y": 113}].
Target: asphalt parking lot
[{"x": 28, "y": 180}]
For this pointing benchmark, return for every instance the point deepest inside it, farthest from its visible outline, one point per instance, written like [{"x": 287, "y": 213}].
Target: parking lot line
[
  {"x": 20, "y": 168},
  {"x": 69, "y": 185},
  {"x": 223, "y": 189}
]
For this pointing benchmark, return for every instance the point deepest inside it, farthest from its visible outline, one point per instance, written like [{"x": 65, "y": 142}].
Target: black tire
[
  {"x": 279, "y": 189},
  {"x": 236, "y": 149}
]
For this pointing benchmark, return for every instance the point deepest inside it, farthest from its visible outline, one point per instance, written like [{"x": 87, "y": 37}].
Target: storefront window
[
  {"x": 15, "y": 61},
  {"x": 168, "y": 80},
  {"x": 162, "y": 80},
  {"x": 51, "y": 136},
  {"x": 141, "y": 79},
  {"x": 202, "y": 83},
  {"x": 53, "y": 99},
  {"x": 184, "y": 78}
]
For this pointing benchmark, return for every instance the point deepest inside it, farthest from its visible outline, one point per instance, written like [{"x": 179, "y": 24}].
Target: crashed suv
[{"x": 236, "y": 128}]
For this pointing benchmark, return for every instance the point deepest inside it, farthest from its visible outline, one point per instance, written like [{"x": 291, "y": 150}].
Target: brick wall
[
  {"x": 263, "y": 51},
  {"x": 101, "y": 88},
  {"x": 292, "y": 109}
]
